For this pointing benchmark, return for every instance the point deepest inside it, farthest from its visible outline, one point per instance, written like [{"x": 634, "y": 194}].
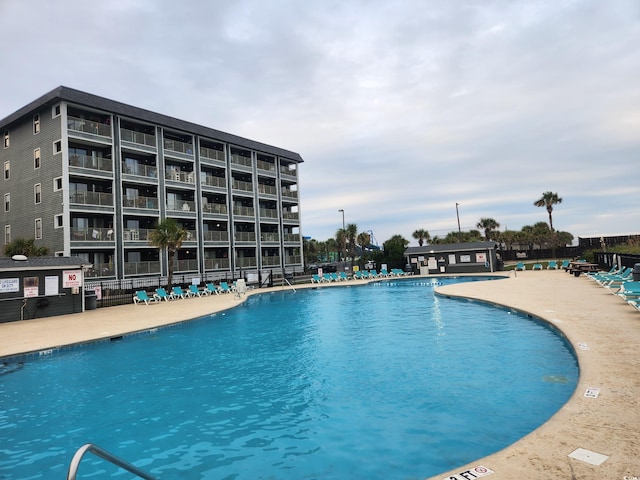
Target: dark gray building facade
[
  {"x": 472, "y": 257},
  {"x": 91, "y": 177}
]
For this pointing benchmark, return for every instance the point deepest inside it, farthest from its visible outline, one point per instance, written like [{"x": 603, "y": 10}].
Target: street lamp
[
  {"x": 458, "y": 216},
  {"x": 342, "y": 211}
]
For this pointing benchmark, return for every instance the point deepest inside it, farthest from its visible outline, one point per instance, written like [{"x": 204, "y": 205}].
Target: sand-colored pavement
[{"x": 604, "y": 331}]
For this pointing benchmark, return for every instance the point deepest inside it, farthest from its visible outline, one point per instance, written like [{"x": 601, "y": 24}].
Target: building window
[
  {"x": 57, "y": 147},
  {"x": 36, "y": 158},
  {"x": 36, "y": 124},
  {"x": 57, "y": 184},
  {"x": 7, "y": 234},
  {"x": 38, "y": 228},
  {"x": 6, "y": 139},
  {"x": 7, "y": 168},
  {"x": 55, "y": 111},
  {"x": 7, "y": 202},
  {"x": 37, "y": 193},
  {"x": 58, "y": 221}
]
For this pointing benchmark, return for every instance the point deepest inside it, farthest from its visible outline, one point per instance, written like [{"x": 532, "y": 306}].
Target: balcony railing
[
  {"x": 91, "y": 198},
  {"x": 216, "y": 236},
  {"x": 240, "y": 160},
  {"x": 270, "y": 261},
  {"x": 292, "y": 259},
  {"x": 100, "y": 270},
  {"x": 240, "y": 185},
  {"x": 90, "y": 162},
  {"x": 136, "y": 234},
  {"x": 289, "y": 193},
  {"x": 290, "y": 215},
  {"x": 269, "y": 237},
  {"x": 178, "y": 146},
  {"x": 186, "y": 265},
  {"x": 216, "y": 263},
  {"x": 268, "y": 213},
  {"x": 213, "y": 181},
  {"x": 148, "y": 203},
  {"x": 244, "y": 211},
  {"x": 268, "y": 166},
  {"x": 182, "y": 206},
  {"x": 246, "y": 262},
  {"x": 87, "y": 126},
  {"x": 141, "y": 268},
  {"x": 140, "y": 170},
  {"x": 91, "y": 234},
  {"x": 212, "y": 153},
  {"x": 180, "y": 176},
  {"x": 214, "y": 208},
  {"x": 137, "y": 137},
  {"x": 285, "y": 170},
  {"x": 244, "y": 236},
  {"x": 192, "y": 236},
  {"x": 267, "y": 189},
  {"x": 291, "y": 237}
]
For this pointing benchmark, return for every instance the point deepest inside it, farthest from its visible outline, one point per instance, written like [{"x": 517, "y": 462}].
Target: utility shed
[
  {"x": 472, "y": 257},
  {"x": 40, "y": 287}
]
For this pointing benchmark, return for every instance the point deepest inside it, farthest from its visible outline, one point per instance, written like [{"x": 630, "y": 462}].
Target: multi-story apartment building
[{"x": 89, "y": 176}]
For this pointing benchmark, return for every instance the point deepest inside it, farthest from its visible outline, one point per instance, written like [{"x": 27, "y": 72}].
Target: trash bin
[
  {"x": 635, "y": 273},
  {"x": 90, "y": 301}
]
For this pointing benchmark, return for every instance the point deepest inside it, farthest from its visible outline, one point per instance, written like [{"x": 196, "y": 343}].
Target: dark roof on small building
[
  {"x": 42, "y": 263},
  {"x": 450, "y": 247},
  {"x": 94, "y": 101}
]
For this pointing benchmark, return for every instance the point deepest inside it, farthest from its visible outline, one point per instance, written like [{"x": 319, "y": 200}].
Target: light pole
[
  {"x": 458, "y": 217},
  {"x": 342, "y": 211}
]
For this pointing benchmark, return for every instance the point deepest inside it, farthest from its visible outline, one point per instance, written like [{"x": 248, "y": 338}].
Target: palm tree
[
  {"x": 364, "y": 239},
  {"x": 351, "y": 233},
  {"x": 341, "y": 241},
  {"x": 548, "y": 200},
  {"x": 422, "y": 236},
  {"x": 24, "y": 246},
  {"x": 489, "y": 225},
  {"x": 168, "y": 235}
]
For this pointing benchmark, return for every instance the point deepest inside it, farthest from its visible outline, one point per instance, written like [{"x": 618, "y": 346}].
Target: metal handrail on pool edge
[{"x": 89, "y": 447}]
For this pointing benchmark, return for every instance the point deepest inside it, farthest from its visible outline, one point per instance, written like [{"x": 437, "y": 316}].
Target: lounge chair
[
  {"x": 241, "y": 288},
  {"x": 635, "y": 304},
  {"x": 315, "y": 278},
  {"x": 384, "y": 272},
  {"x": 161, "y": 294},
  {"x": 327, "y": 277},
  {"x": 343, "y": 276},
  {"x": 194, "y": 291},
  {"x": 358, "y": 275},
  {"x": 537, "y": 266},
  {"x": 211, "y": 288},
  {"x": 224, "y": 288},
  {"x": 178, "y": 292},
  {"x": 565, "y": 264},
  {"x": 334, "y": 277},
  {"x": 141, "y": 296},
  {"x": 629, "y": 291},
  {"x": 520, "y": 266},
  {"x": 552, "y": 265}
]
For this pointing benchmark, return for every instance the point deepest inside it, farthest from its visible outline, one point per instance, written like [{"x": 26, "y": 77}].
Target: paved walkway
[{"x": 585, "y": 312}]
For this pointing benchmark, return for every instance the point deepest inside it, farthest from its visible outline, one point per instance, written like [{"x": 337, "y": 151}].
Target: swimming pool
[{"x": 374, "y": 381}]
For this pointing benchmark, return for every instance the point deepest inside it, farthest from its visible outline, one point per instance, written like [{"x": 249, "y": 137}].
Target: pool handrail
[{"x": 109, "y": 457}]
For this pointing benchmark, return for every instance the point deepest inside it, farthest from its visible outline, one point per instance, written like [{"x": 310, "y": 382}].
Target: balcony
[
  {"x": 140, "y": 170},
  {"x": 179, "y": 176},
  {"x": 289, "y": 193},
  {"x": 86, "y": 126},
  {"x": 266, "y": 166},
  {"x": 91, "y": 198},
  {"x": 146, "y": 203},
  {"x": 91, "y": 163},
  {"x": 140, "y": 138},
  {"x": 240, "y": 160},
  {"x": 213, "y": 181},
  {"x": 182, "y": 206},
  {"x": 100, "y": 270},
  {"x": 212, "y": 154},
  {"x": 267, "y": 189},
  {"x": 178, "y": 146},
  {"x": 244, "y": 211},
  {"x": 91, "y": 234},
  {"x": 244, "y": 262},
  {"x": 290, "y": 216},
  {"x": 192, "y": 236},
  {"x": 216, "y": 236},
  {"x": 268, "y": 213},
  {"x": 216, "y": 263},
  {"x": 141, "y": 268},
  {"x": 135, "y": 234},
  {"x": 270, "y": 261},
  {"x": 269, "y": 237},
  {"x": 244, "y": 186},
  {"x": 215, "y": 208},
  {"x": 291, "y": 237},
  {"x": 244, "y": 236},
  {"x": 290, "y": 172},
  {"x": 293, "y": 259},
  {"x": 187, "y": 265}
]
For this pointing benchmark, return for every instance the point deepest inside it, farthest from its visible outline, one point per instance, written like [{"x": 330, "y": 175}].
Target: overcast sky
[{"x": 400, "y": 109}]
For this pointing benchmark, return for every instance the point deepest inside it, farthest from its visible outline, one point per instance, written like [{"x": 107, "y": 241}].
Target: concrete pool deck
[{"x": 604, "y": 331}]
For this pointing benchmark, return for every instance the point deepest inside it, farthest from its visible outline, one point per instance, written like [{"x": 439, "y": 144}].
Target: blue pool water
[{"x": 373, "y": 381}]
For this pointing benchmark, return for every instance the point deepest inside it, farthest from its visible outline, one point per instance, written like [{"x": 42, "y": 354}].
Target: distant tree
[
  {"x": 351, "y": 233},
  {"x": 169, "y": 236},
  {"x": 341, "y": 241},
  {"x": 508, "y": 238},
  {"x": 25, "y": 246},
  {"x": 548, "y": 200},
  {"x": 489, "y": 225},
  {"x": 422, "y": 236},
  {"x": 394, "y": 249}
]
